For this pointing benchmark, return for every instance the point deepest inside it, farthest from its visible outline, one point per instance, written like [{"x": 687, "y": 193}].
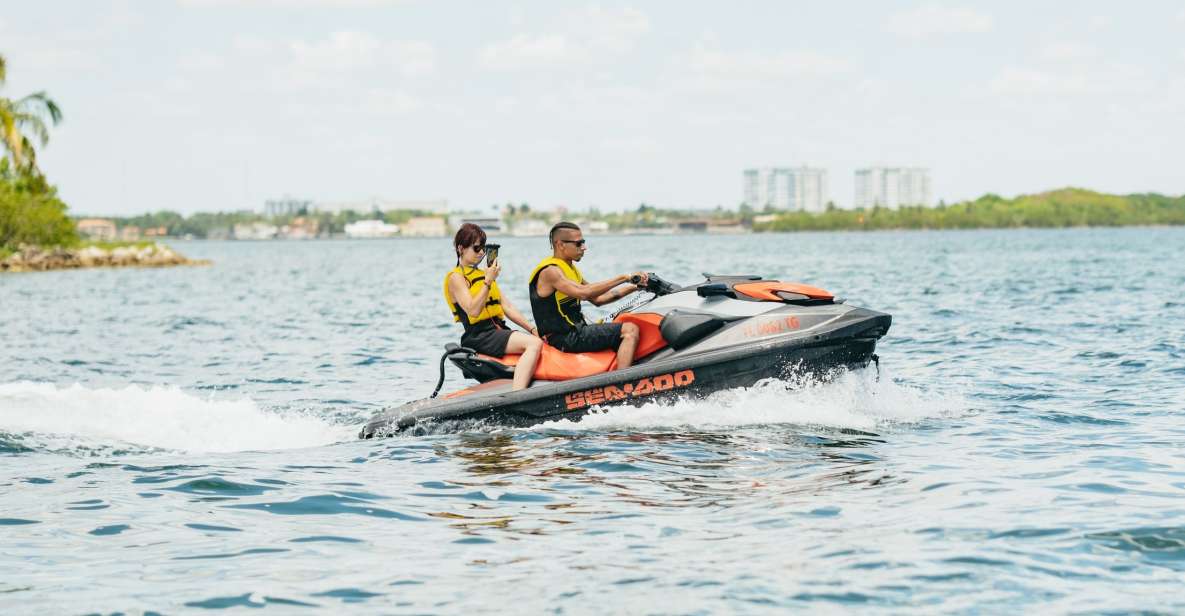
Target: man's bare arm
[
  {"x": 614, "y": 295},
  {"x": 555, "y": 279}
]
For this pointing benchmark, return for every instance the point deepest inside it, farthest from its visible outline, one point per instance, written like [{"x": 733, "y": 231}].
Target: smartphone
[{"x": 491, "y": 253}]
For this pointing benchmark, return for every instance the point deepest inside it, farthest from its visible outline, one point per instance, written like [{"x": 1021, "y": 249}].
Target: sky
[{"x": 216, "y": 105}]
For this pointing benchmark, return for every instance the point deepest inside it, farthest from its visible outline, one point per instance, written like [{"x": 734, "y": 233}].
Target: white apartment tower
[
  {"x": 892, "y": 187},
  {"x": 802, "y": 189}
]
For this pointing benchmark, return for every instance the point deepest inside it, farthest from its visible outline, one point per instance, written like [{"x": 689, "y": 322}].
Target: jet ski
[{"x": 725, "y": 332}]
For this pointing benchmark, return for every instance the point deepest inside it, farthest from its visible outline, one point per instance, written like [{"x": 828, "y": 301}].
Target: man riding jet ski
[
  {"x": 725, "y": 332},
  {"x": 557, "y": 287}
]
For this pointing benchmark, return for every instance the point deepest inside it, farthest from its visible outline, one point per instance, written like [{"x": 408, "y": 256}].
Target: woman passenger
[{"x": 475, "y": 300}]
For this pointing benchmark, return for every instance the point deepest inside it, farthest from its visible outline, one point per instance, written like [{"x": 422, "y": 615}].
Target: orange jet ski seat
[{"x": 556, "y": 365}]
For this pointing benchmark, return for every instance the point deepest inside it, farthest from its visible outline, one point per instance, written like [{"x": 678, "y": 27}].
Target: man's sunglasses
[{"x": 578, "y": 243}]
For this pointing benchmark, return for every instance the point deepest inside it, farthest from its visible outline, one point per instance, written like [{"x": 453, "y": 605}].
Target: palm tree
[{"x": 21, "y": 118}]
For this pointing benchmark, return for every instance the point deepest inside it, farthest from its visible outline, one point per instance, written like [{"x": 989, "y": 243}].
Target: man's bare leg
[{"x": 629, "y": 344}]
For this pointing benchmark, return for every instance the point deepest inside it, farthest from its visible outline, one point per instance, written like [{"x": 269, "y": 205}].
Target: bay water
[{"x": 185, "y": 439}]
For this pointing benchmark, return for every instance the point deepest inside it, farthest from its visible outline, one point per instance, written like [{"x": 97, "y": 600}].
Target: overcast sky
[{"x": 198, "y": 105}]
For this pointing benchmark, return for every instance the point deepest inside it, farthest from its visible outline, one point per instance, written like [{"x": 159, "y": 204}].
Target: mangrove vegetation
[{"x": 1068, "y": 207}]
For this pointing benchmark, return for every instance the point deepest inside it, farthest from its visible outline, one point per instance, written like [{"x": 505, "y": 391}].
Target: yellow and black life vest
[
  {"x": 556, "y": 313},
  {"x": 493, "y": 307}
]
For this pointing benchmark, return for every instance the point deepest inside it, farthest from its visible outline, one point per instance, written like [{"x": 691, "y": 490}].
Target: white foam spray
[
  {"x": 45, "y": 416},
  {"x": 853, "y": 400}
]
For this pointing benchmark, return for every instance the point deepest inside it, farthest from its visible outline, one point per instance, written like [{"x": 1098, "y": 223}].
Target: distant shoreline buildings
[
  {"x": 768, "y": 192},
  {"x": 287, "y": 206},
  {"x": 804, "y": 189},
  {"x": 892, "y": 187},
  {"x": 797, "y": 189},
  {"x": 438, "y": 207}
]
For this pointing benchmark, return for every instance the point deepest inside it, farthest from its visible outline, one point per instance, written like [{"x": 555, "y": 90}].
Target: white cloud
[
  {"x": 200, "y": 61},
  {"x": 290, "y": 3},
  {"x": 178, "y": 85},
  {"x": 1105, "y": 79},
  {"x": 711, "y": 70},
  {"x": 387, "y": 102},
  {"x": 526, "y": 52},
  {"x": 343, "y": 61},
  {"x": 73, "y": 46},
  {"x": 577, "y": 38},
  {"x": 631, "y": 144},
  {"x": 253, "y": 45},
  {"x": 609, "y": 30},
  {"x": 57, "y": 58},
  {"x": 506, "y": 104},
  {"x": 1013, "y": 81},
  {"x": 1098, "y": 22},
  {"x": 937, "y": 19},
  {"x": 1067, "y": 51},
  {"x": 347, "y": 50},
  {"x": 585, "y": 100},
  {"x": 120, "y": 19},
  {"x": 764, "y": 65}
]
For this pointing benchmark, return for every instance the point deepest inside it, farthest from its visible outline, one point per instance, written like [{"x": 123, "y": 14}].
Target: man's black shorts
[{"x": 591, "y": 337}]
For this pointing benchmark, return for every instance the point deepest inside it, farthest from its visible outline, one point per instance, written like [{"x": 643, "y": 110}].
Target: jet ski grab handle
[{"x": 449, "y": 349}]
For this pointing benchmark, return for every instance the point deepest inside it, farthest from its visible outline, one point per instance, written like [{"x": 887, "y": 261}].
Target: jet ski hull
[{"x": 847, "y": 341}]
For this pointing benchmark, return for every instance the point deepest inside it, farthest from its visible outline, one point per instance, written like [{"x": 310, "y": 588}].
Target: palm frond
[
  {"x": 34, "y": 124},
  {"x": 24, "y": 120},
  {"x": 46, "y": 104}
]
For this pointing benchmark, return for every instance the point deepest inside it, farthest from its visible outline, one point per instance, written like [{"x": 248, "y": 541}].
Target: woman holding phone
[{"x": 475, "y": 300}]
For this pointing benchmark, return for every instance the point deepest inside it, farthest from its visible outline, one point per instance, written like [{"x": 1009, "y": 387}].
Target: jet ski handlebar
[{"x": 655, "y": 284}]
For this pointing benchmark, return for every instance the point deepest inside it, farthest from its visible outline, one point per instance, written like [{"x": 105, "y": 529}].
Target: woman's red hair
[{"x": 468, "y": 235}]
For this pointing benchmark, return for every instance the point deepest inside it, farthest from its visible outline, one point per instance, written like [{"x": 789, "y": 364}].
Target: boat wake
[
  {"x": 81, "y": 420},
  {"x": 855, "y": 400}
]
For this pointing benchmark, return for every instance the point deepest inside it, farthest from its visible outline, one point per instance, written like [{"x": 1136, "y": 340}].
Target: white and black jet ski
[{"x": 725, "y": 332}]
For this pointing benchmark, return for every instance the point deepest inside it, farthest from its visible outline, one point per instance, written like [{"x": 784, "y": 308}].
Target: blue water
[{"x": 183, "y": 439}]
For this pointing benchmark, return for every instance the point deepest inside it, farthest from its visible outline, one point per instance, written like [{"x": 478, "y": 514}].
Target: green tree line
[
  {"x": 214, "y": 224},
  {"x": 1068, "y": 207}
]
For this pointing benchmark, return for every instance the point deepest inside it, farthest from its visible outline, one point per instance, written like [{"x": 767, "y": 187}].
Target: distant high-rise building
[
  {"x": 892, "y": 187},
  {"x": 380, "y": 204},
  {"x": 286, "y": 206},
  {"x": 802, "y": 189}
]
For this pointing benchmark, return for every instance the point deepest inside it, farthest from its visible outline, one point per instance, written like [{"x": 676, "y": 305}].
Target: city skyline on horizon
[{"x": 217, "y": 105}]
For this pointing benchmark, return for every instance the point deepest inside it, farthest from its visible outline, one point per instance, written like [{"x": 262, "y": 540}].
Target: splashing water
[
  {"x": 852, "y": 400},
  {"x": 43, "y": 416}
]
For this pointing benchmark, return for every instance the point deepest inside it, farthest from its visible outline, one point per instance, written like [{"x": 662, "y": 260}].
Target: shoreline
[
  {"x": 38, "y": 259},
  {"x": 651, "y": 233}
]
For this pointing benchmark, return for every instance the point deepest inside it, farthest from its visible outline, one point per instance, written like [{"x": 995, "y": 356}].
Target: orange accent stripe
[
  {"x": 476, "y": 388},
  {"x": 765, "y": 290}
]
